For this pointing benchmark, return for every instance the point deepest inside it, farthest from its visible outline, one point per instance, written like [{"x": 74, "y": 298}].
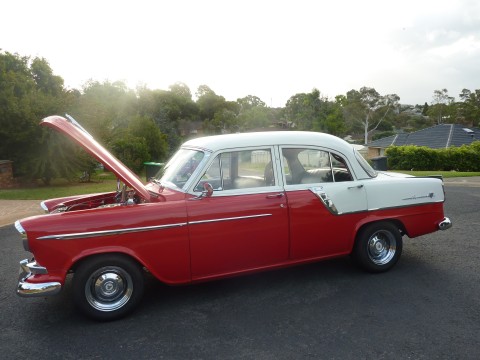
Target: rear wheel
[
  {"x": 378, "y": 246},
  {"x": 108, "y": 287}
]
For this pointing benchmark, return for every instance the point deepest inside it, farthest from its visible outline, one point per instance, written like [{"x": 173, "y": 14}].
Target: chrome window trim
[
  {"x": 330, "y": 151},
  {"x": 247, "y": 191},
  {"x": 198, "y": 171},
  {"x": 213, "y": 155}
]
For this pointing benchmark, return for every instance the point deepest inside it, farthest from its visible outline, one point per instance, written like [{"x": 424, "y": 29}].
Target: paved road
[{"x": 427, "y": 307}]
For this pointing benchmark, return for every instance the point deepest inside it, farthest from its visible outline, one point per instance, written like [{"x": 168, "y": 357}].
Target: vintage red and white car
[{"x": 222, "y": 206}]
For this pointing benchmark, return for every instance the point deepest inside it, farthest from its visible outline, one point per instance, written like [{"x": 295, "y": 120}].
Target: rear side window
[
  {"x": 365, "y": 165},
  {"x": 310, "y": 166}
]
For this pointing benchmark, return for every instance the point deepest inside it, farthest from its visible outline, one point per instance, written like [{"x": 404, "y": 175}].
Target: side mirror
[
  {"x": 207, "y": 192},
  {"x": 208, "y": 189}
]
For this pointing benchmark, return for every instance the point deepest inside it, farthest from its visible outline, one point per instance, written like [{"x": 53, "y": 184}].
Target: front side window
[
  {"x": 239, "y": 170},
  {"x": 180, "y": 167},
  {"x": 310, "y": 166}
]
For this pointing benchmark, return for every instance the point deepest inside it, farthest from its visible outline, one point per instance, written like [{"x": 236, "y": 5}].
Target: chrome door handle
[
  {"x": 275, "y": 196},
  {"x": 355, "y": 187}
]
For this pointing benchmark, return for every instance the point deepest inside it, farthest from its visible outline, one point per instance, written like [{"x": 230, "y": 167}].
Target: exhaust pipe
[{"x": 445, "y": 224}]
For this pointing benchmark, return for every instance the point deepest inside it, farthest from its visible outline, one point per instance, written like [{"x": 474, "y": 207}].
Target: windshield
[
  {"x": 365, "y": 165},
  {"x": 180, "y": 167}
]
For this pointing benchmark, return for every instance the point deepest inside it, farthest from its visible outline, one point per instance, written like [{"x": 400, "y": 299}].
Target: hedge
[{"x": 410, "y": 157}]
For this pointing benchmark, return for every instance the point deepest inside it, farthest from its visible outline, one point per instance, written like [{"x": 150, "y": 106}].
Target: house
[{"x": 436, "y": 137}]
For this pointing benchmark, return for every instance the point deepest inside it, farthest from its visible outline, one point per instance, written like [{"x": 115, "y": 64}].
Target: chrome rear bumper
[
  {"x": 445, "y": 224},
  {"x": 28, "y": 289}
]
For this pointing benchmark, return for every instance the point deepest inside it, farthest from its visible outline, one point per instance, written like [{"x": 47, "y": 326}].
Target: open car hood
[{"x": 75, "y": 131}]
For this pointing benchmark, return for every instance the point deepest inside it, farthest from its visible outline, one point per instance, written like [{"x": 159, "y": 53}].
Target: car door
[
  {"x": 244, "y": 223},
  {"x": 325, "y": 202}
]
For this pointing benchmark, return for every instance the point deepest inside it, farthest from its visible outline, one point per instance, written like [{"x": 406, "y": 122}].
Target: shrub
[{"x": 410, "y": 157}]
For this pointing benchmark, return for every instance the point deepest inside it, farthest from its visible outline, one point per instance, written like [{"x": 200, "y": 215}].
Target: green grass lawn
[
  {"x": 445, "y": 174},
  {"x": 57, "y": 190},
  {"x": 62, "y": 188}
]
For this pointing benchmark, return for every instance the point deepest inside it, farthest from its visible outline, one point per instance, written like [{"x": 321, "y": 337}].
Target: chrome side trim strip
[
  {"x": 228, "y": 219},
  {"x": 84, "y": 235},
  {"x": 108, "y": 232},
  {"x": 326, "y": 201}
]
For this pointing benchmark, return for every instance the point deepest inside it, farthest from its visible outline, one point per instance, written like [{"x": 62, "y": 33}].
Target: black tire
[
  {"x": 378, "y": 247},
  {"x": 108, "y": 287}
]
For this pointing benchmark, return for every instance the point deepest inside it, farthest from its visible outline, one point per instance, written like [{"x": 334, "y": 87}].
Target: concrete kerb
[
  {"x": 12, "y": 210},
  {"x": 472, "y": 181}
]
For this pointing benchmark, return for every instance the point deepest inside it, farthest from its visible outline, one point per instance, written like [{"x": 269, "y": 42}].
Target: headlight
[{"x": 23, "y": 233}]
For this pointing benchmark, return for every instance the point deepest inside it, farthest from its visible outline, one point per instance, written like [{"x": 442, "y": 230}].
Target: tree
[
  {"x": 169, "y": 110},
  {"x": 209, "y": 103},
  {"x": 369, "y": 108},
  {"x": 425, "y": 109},
  {"x": 307, "y": 109},
  {"x": 105, "y": 107},
  {"x": 29, "y": 91},
  {"x": 250, "y": 101},
  {"x": 56, "y": 156},
  {"x": 253, "y": 113},
  {"x": 145, "y": 128},
  {"x": 440, "y": 105},
  {"x": 335, "y": 122},
  {"x": 17, "y": 116},
  {"x": 131, "y": 150},
  {"x": 224, "y": 121},
  {"x": 181, "y": 90},
  {"x": 470, "y": 108},
  {"x": 215, "y": 112},
  {"x": 45, "y": 80}
]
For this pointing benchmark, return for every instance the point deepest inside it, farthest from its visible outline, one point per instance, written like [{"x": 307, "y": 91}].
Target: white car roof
[{"x": 270, "y": 138}]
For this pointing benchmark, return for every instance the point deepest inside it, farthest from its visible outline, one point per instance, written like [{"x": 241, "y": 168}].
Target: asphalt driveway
[{"x": 427, "y": 307}]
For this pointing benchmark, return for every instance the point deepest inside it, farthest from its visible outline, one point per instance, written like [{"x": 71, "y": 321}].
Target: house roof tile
[{"x": 435, "y": 137}]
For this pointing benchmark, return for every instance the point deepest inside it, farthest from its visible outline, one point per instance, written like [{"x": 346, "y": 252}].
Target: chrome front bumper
[
  {"x": 445, "y": 224},
  {"x": 28, "y": 289}
]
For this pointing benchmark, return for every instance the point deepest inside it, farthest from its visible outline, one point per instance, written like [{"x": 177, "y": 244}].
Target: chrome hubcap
[
  {"x": 109, "y": 288},
  {"x": 381, "y": 247}
]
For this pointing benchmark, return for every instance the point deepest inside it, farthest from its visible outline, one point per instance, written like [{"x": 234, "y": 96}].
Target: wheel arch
[
  {"x": 378, "y": 245},
  {"x": 86, "y": 257},
  {"x": 398, "y": 224}
]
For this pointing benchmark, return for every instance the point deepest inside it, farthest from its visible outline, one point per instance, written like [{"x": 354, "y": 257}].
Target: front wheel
[
  {"x": 108, "y": 287},
  {"x": 378, "y": 247}
]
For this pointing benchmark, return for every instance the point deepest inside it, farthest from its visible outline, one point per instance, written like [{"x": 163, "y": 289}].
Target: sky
[{"x": 269, "y": 49}]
